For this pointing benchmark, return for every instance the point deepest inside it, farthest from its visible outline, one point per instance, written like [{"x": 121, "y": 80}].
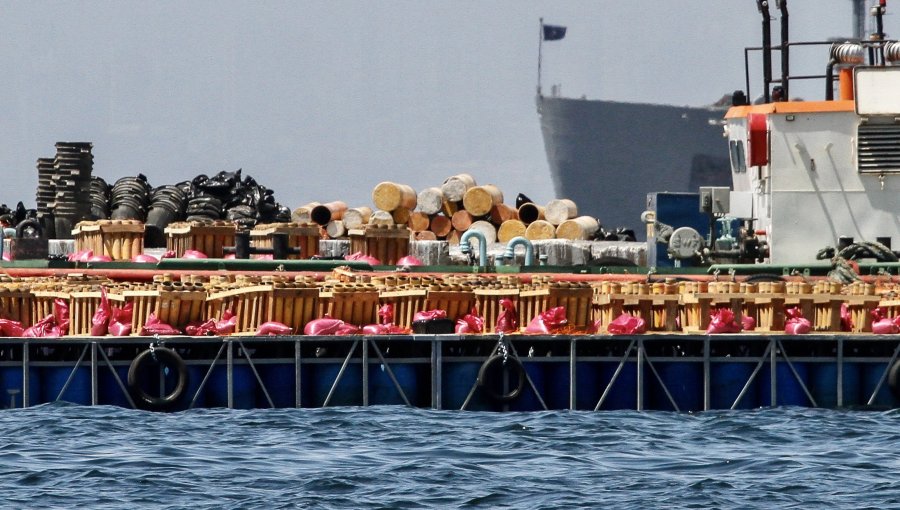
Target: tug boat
[{"x": 753, "y": 309}]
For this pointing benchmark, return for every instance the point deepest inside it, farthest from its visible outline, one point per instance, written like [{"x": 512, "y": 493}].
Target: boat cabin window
[{"x": 738, "y": 161}]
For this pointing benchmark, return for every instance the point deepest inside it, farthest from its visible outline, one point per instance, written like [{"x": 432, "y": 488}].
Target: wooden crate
[
  {"x": 577, "y": 302},
  {"x": 15, "y": 305},
  {"x": 293, "y": 307},
  {"x": 42, "y": 303},
  {"x": 117, "y": 239},
  {"x": 861, "y": 307},
  {"x": 143, "y": 302},
  {"x": 606, "y": 307},
  {"x": 83, "y": 306},
  {"x": 388, "y": 244},
  {"x": 356, "y": 307},
  {"x": 209, "y": 238},
  {"x": 249, "y": 304},
  {"x": 305, "y": 237},
  {"x": 488, "y": 303},
  {"x": 457, "y": 303},
  {"x": 827, "y": 312},
  {"x": 406, "y": 303}
]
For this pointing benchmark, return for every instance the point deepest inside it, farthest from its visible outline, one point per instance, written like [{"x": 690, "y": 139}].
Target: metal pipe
[
  {"x": 829, "y": 80},
  {"x": 763, "y": 6},
  {"x": 785, "y": 49},
  {"x": 510, "y": 252},
  {"x": 437, "y": 359},
  {"x": 466, "y": 247}
]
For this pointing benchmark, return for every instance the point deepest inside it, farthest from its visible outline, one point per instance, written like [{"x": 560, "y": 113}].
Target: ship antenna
[{"x": 540, "y": 50}]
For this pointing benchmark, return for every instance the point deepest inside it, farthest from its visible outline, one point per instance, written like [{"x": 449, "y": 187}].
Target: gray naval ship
[{"x": 608, "y": 155}]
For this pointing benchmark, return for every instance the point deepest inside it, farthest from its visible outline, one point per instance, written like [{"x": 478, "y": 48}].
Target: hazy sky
[{"x": 322, "y": 100}]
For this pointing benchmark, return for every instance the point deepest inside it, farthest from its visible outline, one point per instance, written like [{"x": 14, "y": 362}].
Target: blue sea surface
[{"x": 65, "y": 456}]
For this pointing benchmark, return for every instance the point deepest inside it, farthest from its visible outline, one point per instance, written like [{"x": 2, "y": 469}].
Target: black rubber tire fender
[
  {"x": 32, "y": 223},
  {"x": 764, "y": 277},
  {"x": 167, "y": 357},
  {"x": 515, "y": 365}
]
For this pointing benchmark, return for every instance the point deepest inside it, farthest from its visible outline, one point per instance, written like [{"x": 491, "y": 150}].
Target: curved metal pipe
[
  {"x": 465, "y": 247},
  {"x": 511, "y": 249}
]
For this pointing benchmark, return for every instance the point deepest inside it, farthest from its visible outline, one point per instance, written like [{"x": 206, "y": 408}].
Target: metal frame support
[
  {"x": 639, "y": 401},
  {"x": 230, "y": 374},
  {"x": 437, "y": 369},
  {"x": 95, "y": 395},
  {"x": 573, "y": 385},
  {"x": 26, "y": 371},
  {"x": 298, "y": 399}
]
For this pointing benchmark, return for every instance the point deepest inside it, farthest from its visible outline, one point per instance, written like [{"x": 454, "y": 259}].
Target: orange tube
[{"x": 846, "y": 81}]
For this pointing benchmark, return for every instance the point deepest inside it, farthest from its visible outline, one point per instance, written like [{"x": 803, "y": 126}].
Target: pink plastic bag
[
  {"x": 155, "y": 327},
  {"x": 508, "y": 321},
  {"x": 549, "y": 322},
  {"x": 328, "y": 326},
  {"x": 120, "y": 322},
  {"x": 359, "y": 256},
  {"x": 44, "y": 328},
  {"x": 627, "y": 324},
  {"x": 722, "y": 321},
  {"x": 100, "y": 258},
  {"x": 144, "y": 259},
  {"x": 383, "y": 329},
  {"x": 273, "y": 328},
  {"x": 796, "y": 323},
  {"x": 409, "y": 260},
  {"x": 386, "y": 313},
  {"x": 846, "y": 320},
  {"x": 11, "y": 328},
  {"x": 748, "y": 323},
  {"x": 61, "y": 315},
  {"x": 193, "y": 254},
  {"x": 80, "y": 256},
  {"x": 428, "y": 315},
  {"x": 882, "y": 325},
  {"x": 100, "y": 320},
  {"x": 471, "y": 324}
]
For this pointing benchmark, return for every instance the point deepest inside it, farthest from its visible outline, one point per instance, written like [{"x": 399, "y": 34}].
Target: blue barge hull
[{"x": 494, "y": 373}]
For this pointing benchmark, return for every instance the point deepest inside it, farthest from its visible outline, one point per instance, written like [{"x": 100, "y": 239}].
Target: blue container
[
  {"x": 195, "y": 375},
  {"x": 108, "y": 391},
  {"x": 588, "y": 388},
  {"x": 348, "y": 391},
  {"x": 870, "y": 374},
  {"x": 11, "y": 378},
  {"x": 244, "y": 384},
  {"x": 382, "y": 390},
  {"x": 683, "y": 379},
  {"x": 456, "y": 382},
  {"x": 727, "y": 379},
  {"x": 823, "y": 384},
  {"x": 279, "y": 380},
  {"x": 789, "y": 390},
  {"x": 540, "y": 374},
  {"x": 54, "y": 378},
  {"x": 623, "y": 394}
]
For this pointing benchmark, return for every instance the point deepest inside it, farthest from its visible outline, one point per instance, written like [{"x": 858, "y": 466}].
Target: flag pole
[{"x": 540, "y": 50}]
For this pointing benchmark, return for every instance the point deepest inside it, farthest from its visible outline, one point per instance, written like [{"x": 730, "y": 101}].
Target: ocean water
[{"x": 66, "y": 456}]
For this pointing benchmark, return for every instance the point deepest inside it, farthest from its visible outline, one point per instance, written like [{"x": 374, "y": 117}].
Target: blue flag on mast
[{"x": 554, "y": 32}]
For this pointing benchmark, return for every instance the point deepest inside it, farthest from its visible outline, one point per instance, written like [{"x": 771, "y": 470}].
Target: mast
[{"x": 859, "y": 19}]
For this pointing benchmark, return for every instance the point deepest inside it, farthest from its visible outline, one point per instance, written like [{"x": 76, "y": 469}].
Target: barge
[{"x": 734, "y": 311}]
